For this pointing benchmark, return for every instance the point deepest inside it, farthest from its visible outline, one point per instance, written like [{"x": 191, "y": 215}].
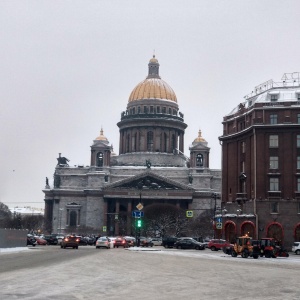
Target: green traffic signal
[{"x": 139, "y": 223}]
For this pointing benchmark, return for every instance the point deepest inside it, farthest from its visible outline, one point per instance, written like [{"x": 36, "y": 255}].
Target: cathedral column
[
  {"x": 129, "y": 210},
  {"x": 121, "y": 143},
  {"x": 181, "y": 144},
  {"x": 117, "y": 220}
]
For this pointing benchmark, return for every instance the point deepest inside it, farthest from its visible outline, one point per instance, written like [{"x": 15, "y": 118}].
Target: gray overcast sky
[{"x": 68, "y": 67}]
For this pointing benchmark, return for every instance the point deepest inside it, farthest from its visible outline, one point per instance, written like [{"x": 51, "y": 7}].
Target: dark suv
[
  {"x": 168, "y": 242},
  {"x": 70, "y": 241}
]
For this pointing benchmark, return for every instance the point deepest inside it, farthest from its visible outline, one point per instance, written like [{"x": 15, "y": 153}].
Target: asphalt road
[{"x": 52, "y": 273}]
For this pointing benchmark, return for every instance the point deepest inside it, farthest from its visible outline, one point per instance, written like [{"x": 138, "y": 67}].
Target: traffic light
[{"x": 139, "y": 223}]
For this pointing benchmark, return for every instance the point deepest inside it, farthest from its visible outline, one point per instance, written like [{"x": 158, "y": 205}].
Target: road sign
[
  {"x": 219, "y": 225},
  {"x": 104, "y": 228},
  {"x": 140, "y": 206},
  {"x": 189, "y": 213},
  {"x": 138, "y": 214},
  {"x": 219, "y": 219}
]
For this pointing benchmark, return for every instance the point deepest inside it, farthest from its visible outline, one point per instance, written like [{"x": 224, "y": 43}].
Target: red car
[
  {"x": 217, "y": 244},
  {"x": 120, "y": 242},
  {"x": 41, "y": 241}
]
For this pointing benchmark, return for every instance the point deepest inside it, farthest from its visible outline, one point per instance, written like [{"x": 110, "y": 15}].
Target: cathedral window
[
  {"x": 73, "y": 218},
  {"x": 150, "y": 141},
  {"x": 100, "y": 159},
  {"x": 151, "y": 110},
  {"x": 298, "y": 140},
  {"x": 133, "y": 110},
  {"x": 139, "y": 110},
  {"x": 158, "y": 109},
  {"x": 170, "y": 111},
  {"x": 199, "y": 160},
  {"x": 298, "y": 162},
  {"x": 163, "y": 110}
]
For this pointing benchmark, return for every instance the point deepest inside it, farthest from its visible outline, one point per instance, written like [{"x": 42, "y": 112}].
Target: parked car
[
  {"x": 31, "y": 241},
  {"x": 130, "y": 241},
  {"x": 217, "y": 244},
  {"x": 189, "y": 244},
  {"x": 120, "y": 242},
  {"x": 70, "y": 241},
  {"x": 59, "y": 238},
  {"x": 157, "y": 241},
  {"x": 146, "y": 242},
  {"x": 296, "y": 248},
  {"x": 104, "y": 242},
  {"x": 168, "y": 242},
  {"x": 51, "y": 240},
  {"x": 41, "y": 241}
]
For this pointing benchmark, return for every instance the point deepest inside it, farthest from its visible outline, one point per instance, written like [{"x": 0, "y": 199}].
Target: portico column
[
  {"x": 117, "y": 220},
  {"x": 129, "y": 210}
]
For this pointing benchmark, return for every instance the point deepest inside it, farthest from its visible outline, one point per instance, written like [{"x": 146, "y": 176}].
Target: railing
[{"x": 150, "y": 116}]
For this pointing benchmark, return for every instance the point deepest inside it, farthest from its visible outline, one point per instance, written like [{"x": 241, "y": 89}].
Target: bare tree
[{"x": 164, "y": 220}]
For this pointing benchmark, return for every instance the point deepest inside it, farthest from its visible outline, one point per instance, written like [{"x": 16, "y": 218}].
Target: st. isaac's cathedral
[{"x": 150, "y": 168}]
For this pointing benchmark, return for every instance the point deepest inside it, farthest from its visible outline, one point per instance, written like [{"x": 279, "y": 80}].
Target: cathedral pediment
[{"x": 148, "y": 181}]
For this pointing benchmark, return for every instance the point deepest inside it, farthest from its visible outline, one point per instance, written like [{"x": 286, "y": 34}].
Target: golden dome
[
  {"x": 101, "y": 137},
  {"x": 153, "y": 60},
  {"x": 152, "y": 88},
  {"x": 199, "y": 139}
]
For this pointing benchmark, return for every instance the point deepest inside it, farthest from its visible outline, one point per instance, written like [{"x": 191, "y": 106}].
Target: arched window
[
  {"x": 100, "y": 159},
  {"x": 165, "y": 142},
  {"x": 199, "y": 160},
  {"x": 150, "y": 141}
]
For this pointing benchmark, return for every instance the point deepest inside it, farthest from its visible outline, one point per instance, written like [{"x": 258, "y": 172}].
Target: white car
[
  {"x": 104, "y": 242},
  {"x": 296, "y": 248},
  {"x": 157, "y": 241}
]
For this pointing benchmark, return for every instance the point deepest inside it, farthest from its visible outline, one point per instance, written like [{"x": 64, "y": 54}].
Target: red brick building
[{"x": 261, "y": 163}]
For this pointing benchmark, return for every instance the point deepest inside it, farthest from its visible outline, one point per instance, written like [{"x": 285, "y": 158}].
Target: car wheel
[
  {"x": 61, "y": 246},
  {"x": 297, "y": 252},
  {"x": 233, "y": 253},
  {"x": 197, "y": 248},
  {"x": 77, "y": 247},
  {"x": 213, "y": 248},
  {"x": 97, "y": 247}
]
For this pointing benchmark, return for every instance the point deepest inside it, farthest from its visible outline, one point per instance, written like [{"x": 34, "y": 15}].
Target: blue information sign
[{"x": 138, "y": 214}]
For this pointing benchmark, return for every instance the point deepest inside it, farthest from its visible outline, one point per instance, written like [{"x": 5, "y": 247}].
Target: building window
[
  {"x": 298, "y": 204},
  {"x": 139, "y": 109},
  {"x": 274, "y": 98},
  {"x": 199, "y": 160},
  {"x": 274, "y": 207},
  {"x": 274, "y": 184},
  {"x": 243, "y": 146},
  {"x": 298, "y": 117},
  {"x": 298, "y": 162},
  {"x": 151, "y": 110},
  {"x": 273, "y": 162},
  {"x": 170, "y": 111},
  {"x": 158, "y": 109},
  {"x": 150, "y": 141},
  {"x": 163, "y": 110},
  {"x": 145, "y": 110},
  {"x": 100, "y": 159},
  {"x": 298, "y": 184},
  {"x": 298, "y": 140},
  {"x": 133, "y": 111},
  {"x": 174, "y": 112},
  {"x": 273, "y": 141},
  {"x": 273, "y": 119},
  {"x": 298, "y": 96}
]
